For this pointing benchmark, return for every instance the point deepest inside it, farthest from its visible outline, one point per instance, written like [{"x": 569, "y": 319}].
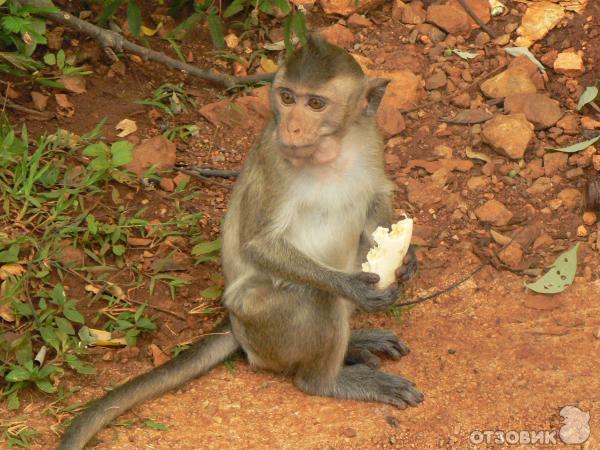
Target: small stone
[
  {"x": 509, "y": 134},
  {"x": 555, "y": 204},
  {"x": 549, "y": 57},
  {"x": 539, "y": 109},
  {"x": 461, "y": 100},
  {"x": 478, "y": 183},
  {"x": 596, "y": 162},
  {"x": 569, "y": 124},
  {"x": 349, "y": 432},
  {"x": 512, "y": 255},
  {"x": 571, "y": 197},
  {"x": 358, "y": 20},
  {"x": 450, "y": 18},
  {"x": 569, "y": 63},
  {"x": 431, "y": 31},
  {"x": 539, "y": 18},
  {"x": 494, "y": 212},
  {"x": 590, "y": 124},
  {"x": 167, "y": 184},
  {"x": 40, "y": 101},
  {"x": 574, "y": 173},
  {"x": 108, "y": 356},
  {"x": 502, "y": 40},
  {"x": 582, "y": 231},
  {"x": 589, "y": 218},
  {"x": 481, "y": 39},
  {"x": 412, "y": 14},
  {"x": 157, "y": 151},
  {"x": 344, "y": 7},
  {"x": 542, "y": 242},
  {"x": 540, "y": 186},
  {"x": 436, "y": 80},
  {"x": 514, "y": 80},
  {"x": 442, "y": 151},
  {"x": 555, "y": 163}
]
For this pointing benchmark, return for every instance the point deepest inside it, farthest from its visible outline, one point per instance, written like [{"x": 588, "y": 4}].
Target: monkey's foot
[
  {"x": 360, "y": 382},
  {"x": 363, "y": 343}
]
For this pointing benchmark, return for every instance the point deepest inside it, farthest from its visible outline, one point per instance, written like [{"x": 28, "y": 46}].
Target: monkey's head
[{"x": 316, "y": 95}]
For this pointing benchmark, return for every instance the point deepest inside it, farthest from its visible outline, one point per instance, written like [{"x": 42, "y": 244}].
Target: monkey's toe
[
  {"x": 357, "y": 355},
  {"x": 402, "y": 393}
]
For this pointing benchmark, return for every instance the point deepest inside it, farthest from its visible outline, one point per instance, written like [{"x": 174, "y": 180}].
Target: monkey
[{"x": 299, "y": 222}]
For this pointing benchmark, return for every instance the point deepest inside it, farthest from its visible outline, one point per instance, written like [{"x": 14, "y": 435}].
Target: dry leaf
[
  {"x": 477, "y": 155},
  {"x": 11, "y": 269},
  {"x": 231, "y": 40},
  {"x": 100, "y": 335},
  {"x": 268, "y": 65},
  {"x": 65, "y": 107},
  {"x": 469, "y": 117},
  {"x": 127, "y": 127},
  {"x": 91, "y": 288},
  {"x": 40, "y": 101},
  {"x": 138, "y": 242},
  {"x": 76, "y": 85},
  {"x": 158, "y": 356}
]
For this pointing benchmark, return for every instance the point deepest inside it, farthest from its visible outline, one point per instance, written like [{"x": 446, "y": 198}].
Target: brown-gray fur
[{"x": 298, "y": 225}]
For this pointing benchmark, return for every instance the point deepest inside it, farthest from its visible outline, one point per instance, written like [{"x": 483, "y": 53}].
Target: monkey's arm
[{"x": 278, "y": 256}]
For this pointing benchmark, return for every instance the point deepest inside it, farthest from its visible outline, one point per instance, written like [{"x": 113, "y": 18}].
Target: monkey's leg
[
  {"x": 363, "y": 343},
  {"x": 360, "y": 382}
]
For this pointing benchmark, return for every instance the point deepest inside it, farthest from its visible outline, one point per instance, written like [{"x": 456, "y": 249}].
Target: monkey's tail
[{"x": 191, "y": 363}]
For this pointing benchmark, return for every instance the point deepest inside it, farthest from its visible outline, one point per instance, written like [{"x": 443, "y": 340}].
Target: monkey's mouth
[{"x": 298, "y": 151}]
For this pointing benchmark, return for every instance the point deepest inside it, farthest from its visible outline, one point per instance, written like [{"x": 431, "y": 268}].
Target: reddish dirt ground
[{"x": 488, "y": 355}]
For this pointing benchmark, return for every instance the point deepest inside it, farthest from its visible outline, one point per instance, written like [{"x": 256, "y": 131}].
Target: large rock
[
  {"x": 509, "y": 134},
  {"x": 450, "y": 18},
  {"x": 514, "y": 80},
  {"x": 157, "y": 151},
  {"x": 569, "y": 63},
  {"x": 494, "y": 213},
  {"x": 539, "y": 109},
  {"x": 424, "y": 195},
  {"x": 337, "y": 35},
  {"x": 539, "y": 18},
  {"x": 345, "y": 7}
]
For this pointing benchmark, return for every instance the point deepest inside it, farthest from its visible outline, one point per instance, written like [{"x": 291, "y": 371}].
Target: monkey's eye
[
  {"x": 316, "y": 103},
  {"x": 287, "y": 98}
]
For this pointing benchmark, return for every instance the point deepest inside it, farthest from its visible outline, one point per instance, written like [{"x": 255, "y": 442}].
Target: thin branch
[
  {"x": 206, "y": 172},
  {"x": 476, "y": 18},
  {"x": 115, "y": 41}
]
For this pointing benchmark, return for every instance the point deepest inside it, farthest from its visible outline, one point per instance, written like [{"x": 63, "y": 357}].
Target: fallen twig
[
  {"x": 210, "y": 172},
  {"x": 204, "y": 178},
  {"x": 112, "y": 40},
  {"x": 40, "y": 115},
  {"x": 476, "y": 18}
]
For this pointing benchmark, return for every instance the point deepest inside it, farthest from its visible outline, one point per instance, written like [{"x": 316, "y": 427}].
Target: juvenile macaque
[{"x": 298, "y": 226}]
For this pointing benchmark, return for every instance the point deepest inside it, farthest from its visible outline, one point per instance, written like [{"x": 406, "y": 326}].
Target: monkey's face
[{"x": 309, "y": 118}]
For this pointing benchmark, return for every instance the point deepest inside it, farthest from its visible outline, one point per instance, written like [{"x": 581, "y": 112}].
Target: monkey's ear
[{"x": 375, "y": 91}]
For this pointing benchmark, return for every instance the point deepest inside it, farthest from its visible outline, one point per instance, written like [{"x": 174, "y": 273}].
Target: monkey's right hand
[{"x": 362, "y": 290}]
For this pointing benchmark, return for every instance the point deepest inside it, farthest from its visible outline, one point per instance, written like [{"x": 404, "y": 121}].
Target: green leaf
[
  {"x": 81, "y": 367},
  {"x": 94, "y": 150},
  {"x": 149, "y": 423},
  {"x": 60, "y": 59},
  {"x": 283, "y": 5},
  {"x": 17, "y": 374},
  {"x": 58, "y": 294},
  {"x": 45, "y": 386},
  {"x": 560, "y": 276},
  {"x": 588, "y": 96},
  {"x": 11, "y": 255},
  {"x": 121, "y": 153},
  {"x": 64, "y": 325},
  {"x": 206, "y": 248},
  {"x": 575, "y": 147},
  {"x": 118, "y": 249},
  {"x": 463, "y": 54},
  {"x": 74, "y": 316},
  {"x": 235, "y": 7},
  {"x": 216, "y": 29},
  {"x": 134, "y": 17},
  {"x": 100, "y": 163},
  {"x": 110, "y": 8},
  {"x": 212, "y": 292},
  {"x": 13, "y": 401},
  {"x": 49, "y": 59},
  {"x": 299, "y": 26}
]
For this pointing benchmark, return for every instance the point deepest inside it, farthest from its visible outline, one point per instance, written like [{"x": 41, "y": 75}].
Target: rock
[
  {"x": 40, "y": 101},
  {"x": 555, "y": 204},
  {"x": 596, "y": 162},
  {"x": 574, "y": 173},
  {"x": 157, "y": 151},
  {"x": 589, "y": 218},
  {"x": 539, "y": 109},
  {"x": 571, "y": 197},
  {"x": 555, "y": 163},
  {"x": 513, "y": 81},
  {"x": 424, "y": 195},
  {"x": 403, "y": 91},
  {"x": 542, "y": 242},
  {"x": 569, "y": 124},
  {"x": 440, "y": 177},
  {"x": 250, "y": 112},
  {"x": 582, "y": 231},
  {"x": 390, "y": 121},
  {"x": 450, "y": 18},
  {"x": 480, "y": 7},
  {"x": 481, "y": 39},
  {"x": 534, "y": 170},
  {"x": 434, "y": 33},
  {"x": 358, "y": 20},
  {"x": 590, "y": 124},
  {"x": 337, "y": 34},
  {"x": 509, "y": 134},
  {"x": 502, "y": 40},
  {"x": 478, "y": 183},
  {"x": 442, "y": 151},
  {"x": 549, "y": 57},
  {"x": 523, "y": 62},
  {"x": 462, "y": 100},
  {"x": 412, "y": 14},
  {"x": 345, "y": 7},
  {"x": 512, "y": 255},
  {"x": 167, "y": 184},
  {"x": 569, "y": 63},
  {"x": 437, "y": 80},
  {"x": 181, "y": 178},
  {"x": 539, "y": 18},
  {"x": 158, "y": 356},
  {"x": 76, "y": 85},
  {"x": 540, "y": 186},
  {"x": 494, "y": 213}
]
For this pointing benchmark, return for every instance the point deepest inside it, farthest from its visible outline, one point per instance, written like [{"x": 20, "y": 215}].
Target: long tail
[{"x": 193, "y": 362}]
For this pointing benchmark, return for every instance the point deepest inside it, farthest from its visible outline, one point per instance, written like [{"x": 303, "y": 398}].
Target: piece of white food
[{"x": 392, "y": 246}]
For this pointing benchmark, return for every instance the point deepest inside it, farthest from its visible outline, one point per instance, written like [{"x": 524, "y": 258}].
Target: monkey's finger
[{"x": 368, "y": 277}]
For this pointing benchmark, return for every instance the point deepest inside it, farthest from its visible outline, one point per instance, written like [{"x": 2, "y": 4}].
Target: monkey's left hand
[{"x": 409, "y": 266}]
